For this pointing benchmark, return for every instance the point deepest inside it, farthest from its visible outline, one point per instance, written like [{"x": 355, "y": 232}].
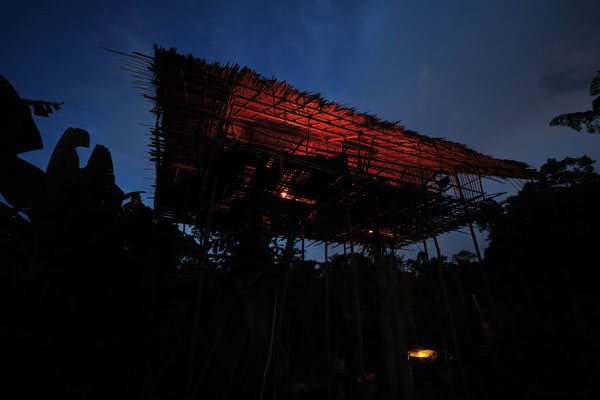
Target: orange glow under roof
[
  {"x": 301, "y": 155},
  {"x": 274, "y": 116}
]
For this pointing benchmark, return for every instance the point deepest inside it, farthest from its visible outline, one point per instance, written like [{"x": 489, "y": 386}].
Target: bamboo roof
[{"x": 295, "y": 156}]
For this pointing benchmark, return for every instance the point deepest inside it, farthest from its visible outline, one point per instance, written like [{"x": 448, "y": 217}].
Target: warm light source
[
  {"x": 370, "y": 230},
  {"x": 284, "y": 194},
  {"x": 422, "y": 354}
]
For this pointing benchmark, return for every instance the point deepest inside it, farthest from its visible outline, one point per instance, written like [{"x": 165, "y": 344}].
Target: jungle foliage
[{"x": 99, "y": 298}]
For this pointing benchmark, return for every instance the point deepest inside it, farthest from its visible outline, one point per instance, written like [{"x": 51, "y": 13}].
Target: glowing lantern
[{"x": 432, "y": 354}]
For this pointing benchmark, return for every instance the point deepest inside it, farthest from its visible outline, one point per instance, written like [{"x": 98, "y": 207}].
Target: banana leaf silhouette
[
  {"x": 99, "y": 179},
  {"x": 63, "y": 170},
  {"x": 18, "y": 133}
]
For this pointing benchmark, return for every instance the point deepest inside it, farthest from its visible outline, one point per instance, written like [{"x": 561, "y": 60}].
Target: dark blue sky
[{"x": 489, "y": 74}]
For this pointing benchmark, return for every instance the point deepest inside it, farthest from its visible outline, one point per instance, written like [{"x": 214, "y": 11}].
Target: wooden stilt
[
  {"x": 286, "y": 262},
  {"x": 459, "y": 359},
  {"x": 264, "y": 380},
  {"x": 147, "y": 253},
  {"x": 436, "y": 299},
  {"x": 327, "y": 324},
  {"x": 488, "y": 325},
  {"x": 302, "y": 246},
  {"x": 475, "y": 244},
  {"x": 442, "y": 331},
  {"x": 389, "y": 353},
  {"x": 209, "y": 357},
  {"x": 199, "y": 286},
  {"x": 286, "y": 266},
  {"x": 359, "y": 332},
  {"x": 486, "y": 281},
  {"x": 393, "y": 327}
]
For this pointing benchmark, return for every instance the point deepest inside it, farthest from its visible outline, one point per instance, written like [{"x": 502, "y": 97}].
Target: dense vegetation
[{"x": 104, "y": 300}]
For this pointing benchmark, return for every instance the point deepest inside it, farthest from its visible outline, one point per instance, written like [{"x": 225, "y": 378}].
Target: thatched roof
[{"x": 301, "y": 155}]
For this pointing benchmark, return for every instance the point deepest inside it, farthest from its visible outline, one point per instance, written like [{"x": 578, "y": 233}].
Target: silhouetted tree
[
  {"x": 79, "y": 300},
  {"x": 545, "y": 277},
  {"x": 590, "y": 119}
]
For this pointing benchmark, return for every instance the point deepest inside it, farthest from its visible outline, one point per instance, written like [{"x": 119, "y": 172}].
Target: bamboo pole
[
  {"x": 286, "y": 261},
  {"x": 486, "y": 281},
  {"x": 438, "y": 312},
  {"x": 302, "y": 246},
  {"x": 264, "y": 380},
  {"x": 327, "y": 324},
  {"x": 210, "y": 356},
  {"x": 150, "y": 278},
  {"x": 442, "y": 331},
  {"x": 386, "y": 331},
  {"x": 487, "y": 326},
  {"x": 407, "y": 388},
  {"x": 198, "y": 299},
  {"x": 361, "y": 361},
  {"x": 459, "y": 359}
]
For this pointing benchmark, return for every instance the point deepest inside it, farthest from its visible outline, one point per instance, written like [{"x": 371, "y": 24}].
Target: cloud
[
  {"x": 566, "y": 80},
  {"x": 424, "y": 77},
  {"x": 571, "y": 67}
]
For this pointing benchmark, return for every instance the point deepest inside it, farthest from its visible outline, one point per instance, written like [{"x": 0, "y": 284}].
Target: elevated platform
[{"x": 253, "y": 146}]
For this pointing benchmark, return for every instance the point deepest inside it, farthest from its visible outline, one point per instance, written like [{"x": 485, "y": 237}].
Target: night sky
[{"x": 489, "y": 74}]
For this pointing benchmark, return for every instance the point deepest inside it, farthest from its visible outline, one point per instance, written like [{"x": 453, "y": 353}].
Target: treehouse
[
  {"x": 233, "y": 149},
  {"x": 228, "y": 139}
]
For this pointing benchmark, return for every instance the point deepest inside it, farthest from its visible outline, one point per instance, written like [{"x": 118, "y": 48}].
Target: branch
[{"x": 590, "y": 119}]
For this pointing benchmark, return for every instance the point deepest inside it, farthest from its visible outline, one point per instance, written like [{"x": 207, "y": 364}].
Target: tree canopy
[
  {"x": 590, "y": 119},
  {"x": 544, "y": 271}
]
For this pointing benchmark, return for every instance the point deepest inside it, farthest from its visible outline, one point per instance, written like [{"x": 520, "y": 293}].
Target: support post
[
  {"x": 286, "y": 261},
  {"x": 436, "y": 298},
  {"x": 486, "y": 281},
  {"x": 459, "y": 359},
  {"x": 302, "y": 246},
  {"x": 268, "y": 362},
  {"x": 442, "y": 331},
  {"x": 359, "y": 332},
  {"x": 389, "y": 353},
  {"x": 327, "y": 324},
  {"x": 200, "y": 284},
  {"x": 394, "y": 351}
]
